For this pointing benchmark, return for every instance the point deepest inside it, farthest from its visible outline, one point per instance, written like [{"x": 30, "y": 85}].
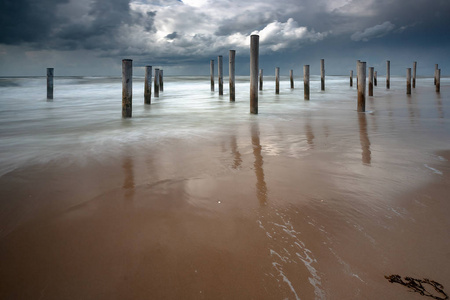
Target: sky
[{"x": 91, "y": 37}]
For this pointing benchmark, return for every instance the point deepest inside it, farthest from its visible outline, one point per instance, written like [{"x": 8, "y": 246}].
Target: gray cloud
[
  {"x": 376, "y": 31},
  {"x": 195, "y": 30}
]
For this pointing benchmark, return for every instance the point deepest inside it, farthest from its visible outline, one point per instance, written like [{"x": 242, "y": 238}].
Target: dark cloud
[
  {"x": 172, "y": 36},
  {"x": 27, "y": 20}
]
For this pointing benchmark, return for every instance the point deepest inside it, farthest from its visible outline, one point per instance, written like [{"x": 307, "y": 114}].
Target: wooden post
[
  {"x": 220, "y": 74},
  {"x": 161, "y": 80},
  {"x": 361, "y": 86},
  {"x": 306, "y": 82},
  {"x": 231, "y": 74},
  {"x": 438, "y": 81},
  {"x": 156, "y": 83},
  {"x": 127, "y": 87},
  {"x": 277, "y": 80},
  {"x": 375, "y": 81},
  {"x": 254, "y": 66},
  {"x": 291, "y": 76},
  {"x": 357, "y": 70},
  {"x": 370, "y": 81},
  {"x": 351, "y": 78},
  {"x": 148, "y": 85},
  {"x": 414, "y": 74},
  {"x": 261, "y": 79},
  {"x": 388, "y": 74},
  {"x": 50, "y": 83},
  {"x": 408, "y": 81},
  {"x": 322, "y": 74},
  {"x": 211, "y": 68},
  {"x": 435, "y": 72}
]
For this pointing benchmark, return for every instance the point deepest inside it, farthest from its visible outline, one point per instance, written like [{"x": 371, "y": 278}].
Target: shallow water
[{"x": 194, "y": 197}]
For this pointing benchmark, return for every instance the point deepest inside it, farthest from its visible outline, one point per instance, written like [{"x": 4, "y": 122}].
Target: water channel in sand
[{"x": 195, "y": 198}]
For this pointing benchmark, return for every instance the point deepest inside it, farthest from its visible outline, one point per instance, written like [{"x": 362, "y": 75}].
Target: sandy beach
[{"x": 314, "y": 202}]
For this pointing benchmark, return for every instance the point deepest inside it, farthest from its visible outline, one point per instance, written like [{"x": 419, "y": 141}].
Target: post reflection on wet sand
[
  {"x": 309, "y": 133},
  {"x": 364, "y": 139},
  {"x": 439, "y": 107},
  {"x": 128, "y": 180},
  {"x": 261, "y": 187},
  {"x": 236, "y": 154}
]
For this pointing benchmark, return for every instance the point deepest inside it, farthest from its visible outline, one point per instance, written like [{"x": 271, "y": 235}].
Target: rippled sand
[{"x": 315, "y": 203}]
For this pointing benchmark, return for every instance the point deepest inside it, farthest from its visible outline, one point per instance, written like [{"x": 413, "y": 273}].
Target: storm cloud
[{"x": 192, "y": 31}]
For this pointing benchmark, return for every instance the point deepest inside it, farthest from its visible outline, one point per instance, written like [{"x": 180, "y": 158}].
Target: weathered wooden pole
[
  {"x": 148, "y": 85},
  {"x": 220, "y": 74},
  {"x": 388, "y": 74},
  {"x": 357, "y": 70},
  {"x": 438, "y": 81},
  {"x": 156, "y": 83},
  {"x": 408, "y": 81},
  {"x": 375, "y": 75},
  {"x": 254, "y": 66},
  {"x": 291, "y": 76},
  {"x": 414, "y": 74},
  {"x": 161, "y": 80},
  {"x": 231, "y": 74},
  {"x": 370, "y": 81},
  {"x": 322, "y": 74},
  {"x": 361, "y": 86},
  {"x": 50, "y": 83},
  {"x": 212, "y": 74},
  {"x": 277, "y": 80},
  {"x": 127, "y": 87},
  {"x": 351, "y": 78},
  {"x": 435, "y": 72},
  {"x": 261, "y": 79},
  {"x": 306, "y": 82}
]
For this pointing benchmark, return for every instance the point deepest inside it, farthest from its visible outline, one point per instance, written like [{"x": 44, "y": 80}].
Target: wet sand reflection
[
  {"x": 128, "y": 180},
  {"x": 439, "y": 107},
  {"x": 309, "y": 133},
  {"x": 236, "y": 154},
  {"x": 364, "y": 139},
  {"x": 261, "y": 187}
]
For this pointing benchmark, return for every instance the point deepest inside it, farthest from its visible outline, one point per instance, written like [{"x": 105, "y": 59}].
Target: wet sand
[{"x": 293, "y": 206}]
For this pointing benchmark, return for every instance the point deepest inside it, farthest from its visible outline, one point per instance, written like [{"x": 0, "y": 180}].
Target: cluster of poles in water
[{"x": 127, "y": 75}]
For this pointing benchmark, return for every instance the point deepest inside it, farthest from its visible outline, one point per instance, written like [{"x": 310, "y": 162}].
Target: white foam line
[
  {"x": 277, "y": 266},
  {"x": 433, "y": 169}
]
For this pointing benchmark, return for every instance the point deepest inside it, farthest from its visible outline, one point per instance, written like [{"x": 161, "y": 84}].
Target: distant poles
[
  {"x": 388, "y": 74},
  {"x": 220, "y": 74},
  {"x": 408, "y": 81},
  {"x": 351, "y": 78},
  {"x": 254, "y": 66},
  {"x": 306, "y": 82},
  {"x": 371, "y": 81},
  {"x": 375, "y": 81},
  {"x": 148, "y": 85},
  {"x": 414, "y": 74},
  {"x": 127, "y": 87},
  {"x": 438, "y": 81},
  {"x": 261, "y": 79},
  {"x": 322, "y": 74},
  {"x": 211, "y": 68},
  {"x": 436, "y": 67},
  {"x": 291, "y": 77},
  {"x": 277, "y": 80},
  {"x": 231, "y": 73},
  {"x": 361, "y": 86},
  {"x": 161, "y": 80},
  {"x": 50, "y": 83},
  {"x": 156, "y": 83}
]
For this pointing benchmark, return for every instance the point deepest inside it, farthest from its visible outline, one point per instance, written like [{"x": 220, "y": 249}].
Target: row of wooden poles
[
  {"x": 127, "y": 83},
  {"x": 127, "y": 86},
  {"x": 127, "y": 75}
]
